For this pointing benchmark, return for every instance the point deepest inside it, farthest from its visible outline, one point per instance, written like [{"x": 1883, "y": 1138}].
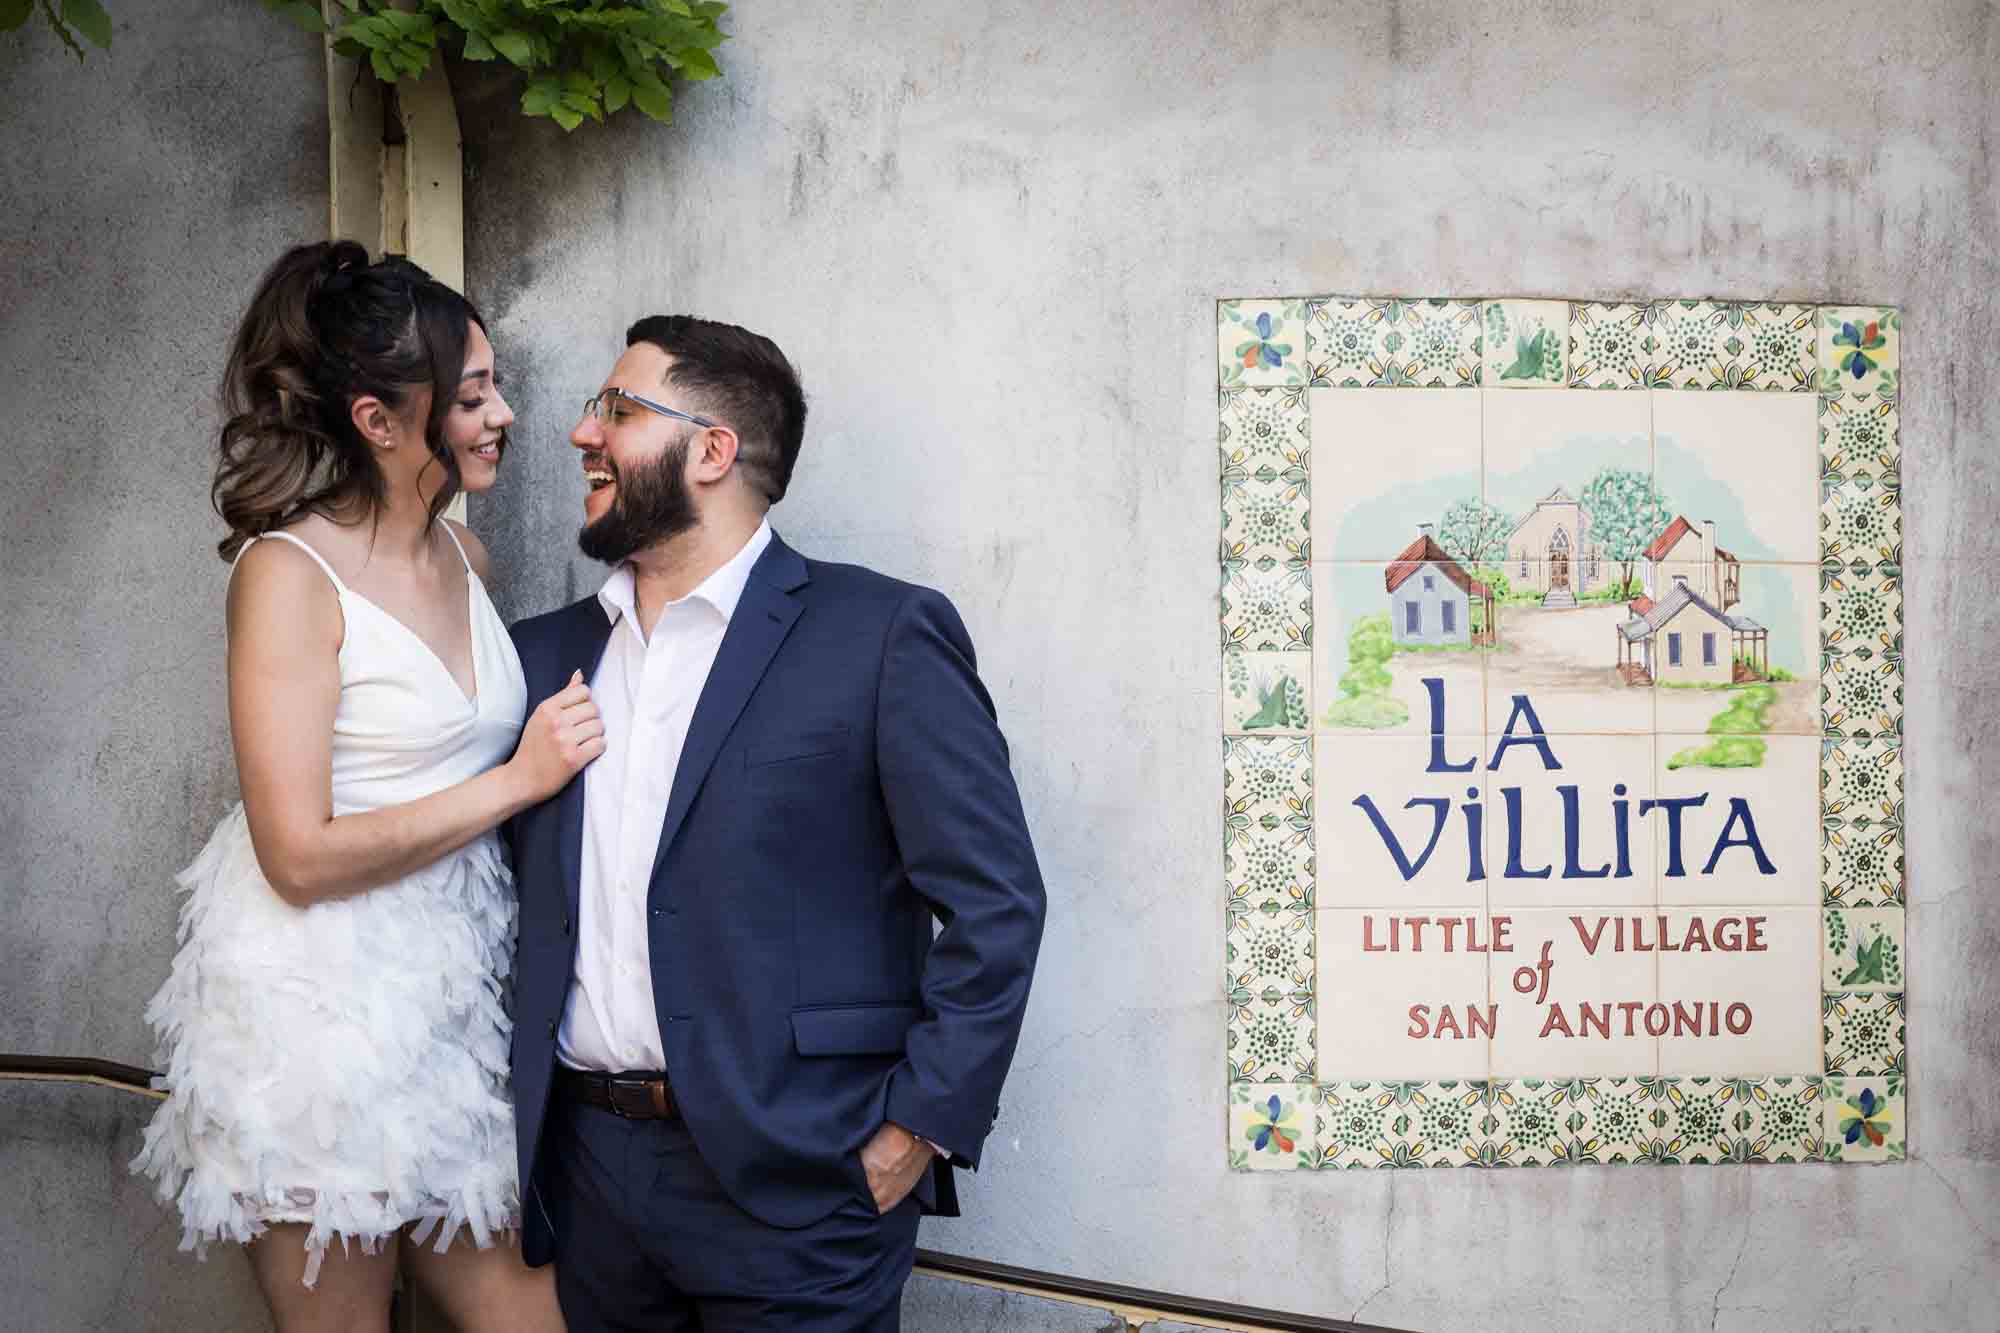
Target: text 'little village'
[{"x": 1595, "y": 932}]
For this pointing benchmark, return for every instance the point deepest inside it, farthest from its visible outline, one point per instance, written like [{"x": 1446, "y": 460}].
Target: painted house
[
  {"x": 1684, "y": 639},
  {"x": 1552, "y": 552},
  {"x": 1684, "y": 553},
  {"x": 1432, "y": 598}
]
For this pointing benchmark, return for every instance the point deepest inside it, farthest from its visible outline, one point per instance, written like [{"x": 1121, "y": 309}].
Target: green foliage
[
  {"x": 1776, "y": 673},
  {"x": 1364, "y": 687},
  {"x": 76, "y": 19},
  {"x": 1749, "y": 711},
  {"x": 1474, "y": 532},
  {"x": 1373, "y": 711},
  {"x": 1618, "y": 590},
  {"x": 1495, "y": 579},
  {"x": 1735, "y": 730},
  {"x": 1626, "y": 512},
  {"x": 1369, "y": 647},
  {"x": 1722, "y": 752},
  {"x": 582, "y": 58}
]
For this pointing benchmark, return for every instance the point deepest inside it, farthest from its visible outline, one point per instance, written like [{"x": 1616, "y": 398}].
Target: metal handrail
[{"x": 1134, "y": 1306}]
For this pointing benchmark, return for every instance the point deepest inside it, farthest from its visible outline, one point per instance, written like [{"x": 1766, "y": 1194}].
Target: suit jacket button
[
  {"x": 552, "y": 1027},
  {"x": 565, "y": 925}
]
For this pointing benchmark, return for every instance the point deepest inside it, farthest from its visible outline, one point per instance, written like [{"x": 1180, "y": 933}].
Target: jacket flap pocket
[
  {"x": 859, "y": 1029},
  {"x": 801, "y": 745}
]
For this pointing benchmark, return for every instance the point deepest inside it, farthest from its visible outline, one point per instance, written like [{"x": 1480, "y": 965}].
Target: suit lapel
[
  {"x": 763, "y": 617},
  {"x": 581, "y": 648}
]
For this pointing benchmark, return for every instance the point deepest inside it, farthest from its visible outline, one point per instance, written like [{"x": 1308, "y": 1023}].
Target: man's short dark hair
[{"x": 741, "y": 379}]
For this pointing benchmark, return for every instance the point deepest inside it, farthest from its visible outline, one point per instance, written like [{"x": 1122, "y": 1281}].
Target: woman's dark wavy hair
[{"x": 327, "y": 327}]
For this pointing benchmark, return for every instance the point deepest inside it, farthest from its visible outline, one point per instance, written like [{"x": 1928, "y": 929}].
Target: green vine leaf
[
  {"x": 90, "y": 21},
  {"x": 516, "y": 47},
  {"x": 13, "y": 13},
  {"x": 302, "y": 14}
]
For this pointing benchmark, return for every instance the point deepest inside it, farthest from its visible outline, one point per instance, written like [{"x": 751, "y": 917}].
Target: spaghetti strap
[
  {"x": 451, "y": 533},
  {"x": 303, "y": 545}
]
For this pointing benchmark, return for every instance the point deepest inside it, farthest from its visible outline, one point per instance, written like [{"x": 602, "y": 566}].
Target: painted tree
[
  {"x": 1626, "y": 512},
  {"x": 1364, "y": 699},
  {"x": 1474, "y": 532}
]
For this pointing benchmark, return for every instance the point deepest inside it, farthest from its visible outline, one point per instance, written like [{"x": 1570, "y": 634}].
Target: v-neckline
[{"x": 471, "y": 636}]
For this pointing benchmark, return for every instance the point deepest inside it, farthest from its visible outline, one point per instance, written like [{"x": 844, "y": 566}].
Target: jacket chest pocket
[{"x": 796, "y": 748}]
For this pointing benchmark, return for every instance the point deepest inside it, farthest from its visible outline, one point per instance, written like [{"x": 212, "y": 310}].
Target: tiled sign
[{"x": 1562, "y": 732}]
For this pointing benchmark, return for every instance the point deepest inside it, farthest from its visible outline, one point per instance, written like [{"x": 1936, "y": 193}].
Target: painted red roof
[
  {"x": 1639, "y": 606},
  {"x": 1424, "y": 551},
  {"x": 1667, "y": 540}
]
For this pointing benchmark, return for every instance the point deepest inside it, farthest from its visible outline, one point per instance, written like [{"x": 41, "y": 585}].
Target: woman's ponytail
[
  {"x": 327, "y": 327},
  {"x": 276, "y": 448}
]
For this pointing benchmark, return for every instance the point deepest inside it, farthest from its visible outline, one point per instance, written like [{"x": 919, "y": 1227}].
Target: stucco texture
[
  {"x": 992, "y": 237},
  {"x": 139, "y": 214}
]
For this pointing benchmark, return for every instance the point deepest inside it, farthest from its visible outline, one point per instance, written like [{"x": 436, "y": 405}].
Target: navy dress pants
[{"x": 646, "y": 1239}]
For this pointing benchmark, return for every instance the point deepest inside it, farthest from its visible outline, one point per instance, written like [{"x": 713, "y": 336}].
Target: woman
[{"x": 335, "y": 1045}]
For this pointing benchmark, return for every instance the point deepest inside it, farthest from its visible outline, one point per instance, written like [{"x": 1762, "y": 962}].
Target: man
[{"x": 742, "y": 1063}]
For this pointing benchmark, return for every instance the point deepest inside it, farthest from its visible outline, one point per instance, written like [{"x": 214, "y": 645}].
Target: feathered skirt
[{"x": 343, "y": 1065}]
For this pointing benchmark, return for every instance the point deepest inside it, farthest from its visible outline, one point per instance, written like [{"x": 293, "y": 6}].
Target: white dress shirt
[{"x": 646, "y": 690}]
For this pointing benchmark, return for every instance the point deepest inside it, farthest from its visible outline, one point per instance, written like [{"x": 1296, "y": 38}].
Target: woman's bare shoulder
[
  {"x": 278, "y": 586},
  {"x": 475, "y": 550}
]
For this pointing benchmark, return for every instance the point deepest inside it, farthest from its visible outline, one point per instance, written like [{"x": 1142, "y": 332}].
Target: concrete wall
[
  {"x": 992, "y": 237},
  {"x": 138, "y": 215}
]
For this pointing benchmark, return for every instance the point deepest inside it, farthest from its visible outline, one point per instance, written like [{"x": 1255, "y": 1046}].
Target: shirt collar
[{"x": 722, "y": 590}]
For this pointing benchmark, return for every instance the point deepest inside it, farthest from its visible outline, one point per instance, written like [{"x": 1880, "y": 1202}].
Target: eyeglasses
[{"x": 603, "y": 408}]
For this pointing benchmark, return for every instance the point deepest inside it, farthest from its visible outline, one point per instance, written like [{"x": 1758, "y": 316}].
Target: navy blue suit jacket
[{"x": 843, "y": 785}]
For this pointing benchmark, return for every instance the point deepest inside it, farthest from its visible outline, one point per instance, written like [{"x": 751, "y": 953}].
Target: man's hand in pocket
[{"x": 895, "y": 1161}]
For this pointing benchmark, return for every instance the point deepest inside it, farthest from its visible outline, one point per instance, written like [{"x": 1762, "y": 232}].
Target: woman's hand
[{"x": 562, "y": 735}]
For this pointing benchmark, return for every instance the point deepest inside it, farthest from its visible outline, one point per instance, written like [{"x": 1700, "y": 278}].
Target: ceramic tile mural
[{"x": 1562, "y": 732}]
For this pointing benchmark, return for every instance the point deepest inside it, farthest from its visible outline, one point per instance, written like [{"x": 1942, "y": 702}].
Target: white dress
[{"x": 345, "y": 1064}]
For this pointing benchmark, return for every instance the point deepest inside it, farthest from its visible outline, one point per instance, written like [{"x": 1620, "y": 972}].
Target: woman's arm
[{"x": 285, "y": 630}]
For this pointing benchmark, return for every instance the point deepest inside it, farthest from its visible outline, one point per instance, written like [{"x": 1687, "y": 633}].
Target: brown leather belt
[{"x": 633, "y": 1096}]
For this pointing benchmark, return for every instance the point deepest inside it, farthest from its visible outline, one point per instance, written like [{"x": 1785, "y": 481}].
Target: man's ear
[
  {"x": 717, "y": 453},
  {"x": 374, "y": 421}
]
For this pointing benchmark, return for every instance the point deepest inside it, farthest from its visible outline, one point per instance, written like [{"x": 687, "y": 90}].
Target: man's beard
[{"x": 653, "y": 504}]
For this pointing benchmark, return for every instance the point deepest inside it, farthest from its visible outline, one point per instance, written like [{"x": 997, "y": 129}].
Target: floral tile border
[
  {"x": 1608, "y": 346},
  {"x": 1268, "y": 867},
  {"x": 1860, "y": 525},
  {"x": 1260, "y": 342},
  {"x": 1862, "y": 949},
  {"x": 1391, "y": 342},
  {"x": 1273, "y": 1127},
  {"x": 1861, "y": 606},
  {"x": 1860, "y": 442},
  {"x": 1862, "y": 866},
  {"x": 1270, "y": 353},
  {"x": 1266, "y": 692},
  {"x": 1264, "y": 440},
  {"x": 1372, "y": 1124},
  {"x": 1866, "y": 1119},
  {"x": 1860, "y": 350},
  {"x": 1266, "y": 610},
  {"x": 1861, "y": 690},
  {"x": 1271, "y": 967},
  {"x": 1864, "y": 1034},
  {"x": 1527, "y": 344},
  {"x": 1755, "y": 345}
]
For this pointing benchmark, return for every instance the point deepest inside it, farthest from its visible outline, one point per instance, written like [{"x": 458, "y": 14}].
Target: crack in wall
[{"x": 1388, "y": 1253}]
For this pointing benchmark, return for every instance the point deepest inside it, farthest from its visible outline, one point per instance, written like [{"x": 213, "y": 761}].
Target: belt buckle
[{"x": 637, "y": 1098}]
